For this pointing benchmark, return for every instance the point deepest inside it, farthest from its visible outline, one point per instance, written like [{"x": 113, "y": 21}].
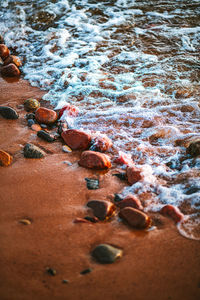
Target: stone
[
  {"x": 118, "y": 198},
  {"x": 51, "y": 271},
  {"x": 92, "y": 183},
  {"x": 1, "y": 39},
  {"x": 102, "y": 209},
  {"x": 193, "y": 149},
  {"x": 66, "y": 149},
  {"x": 62, "y": 126},
  {"x": 106, "y": 254},
  {"x": 123, "y": 159},
  {"x": 31, "y": 104},
  {"x": 30, "y": 122},
  {"x": 173, "y": 212},
  {"x": 4, "y": 51},
  {"x": 5, "y": 159},
  {"x": 70, "y": 110},
  {"x": 44, "y": 135},
  {"x": 133, "y": 174},
  {"x": 10, "y": 70},
  {"x": 135, "y": 218},
  {"x": 65, "y": 281},
  {"x": 12, "y": 59},
  {"x": 130, "y": 201},
  {"x": 101, "y": 144},
  {"x": 91, "y": 219},
  {"x": 94, "y": 160},
  {"x": 86, "y": 271},
  {"x": 32, "y": 151},
  {"x": 36, "y": 127},
  {"x": 30, "y": 116},
  {"x": 121, "y": 175},
  {"x": 8, "y": 113},
  {"x": 76, "y": 139},
  {"x": 25, "y": 221},
  {"x": 45, "y": 116}
]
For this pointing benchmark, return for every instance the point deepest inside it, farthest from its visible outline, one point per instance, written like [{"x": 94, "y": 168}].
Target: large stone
[
  {"x": 102, "y": 209},
  {"x": 133, "y": 174},
  {"x": 76, "y": 139},
  {"x": 172, "y": 212},
  {"x": 106, "y": 254},
  {"x": 4, "y": 51},
  {"x": 135, "y": 218},
  {"x": 8, "y": 113},
  {"x": 31, "y": 104},
  {"x": 32, "y": 151},
  {"x": 94, "y": 160},
  {"x": 130, "y": 201},
  {"x": 12, "y": 59},
  {"x": 10, "y": 70},
  {"x": 45, "y": 116},
  {"x": 101, "y": 144},
  {"x": 5, "y": 158}
]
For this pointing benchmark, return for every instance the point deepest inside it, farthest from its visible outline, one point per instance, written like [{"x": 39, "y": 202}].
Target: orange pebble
[{"x": 5, "y": 158}]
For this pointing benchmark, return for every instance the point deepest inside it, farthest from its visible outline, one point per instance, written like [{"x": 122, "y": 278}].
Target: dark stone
[
  {"x": 106, "y": 254},
  {"x": 194, "y": 149},
  {"x": 8, "y": 113},
  {"x": 51, "y": 271},
  {"x": 30, "y": 122},
  {"x": 32, "y": 151},
  {"x": 121, "y": 176},
  {"x": 30, "y": 116},
  {"x": 135, "y": 218},
  {"x": 65, "y": 281},
  {"x": 118, "y": 198},
  {"x": 45, "y": 136},
  {"x": 86, "y": 271},
  {"x": 102, "y": 209},
  {"x": 92, "y": 184},
  {"x": 91, "y": 219},
  {"x": 10, "y": 70},
  {"x": 4, "y": 51}
]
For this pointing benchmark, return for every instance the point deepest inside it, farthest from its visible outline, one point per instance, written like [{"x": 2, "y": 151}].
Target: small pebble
[
  {"x": 30, "y": 122},
  {"x": 65, "y": 281},
  {"x": 30, "y": 116},
  {"x": 106, "y": 254},
  {"x": 31, "y": 104},
  {"x": 32, "y": 151},
  {"x": 121, "y": 176},
  {"x": 102, "y": 209},
  {"x": 10, "y": 70},
  {"x": 94, "y": 160},
  {"x": 118, "y": 198},
  {"x": 193, "y": 149},
  {"x": 67, "y": 163},
  {"x": 43, "y": 126},
  {"x": 66, "y": 149},
  {"x": 45, "y": 136},
  {"x": 86, "y": 271},
  {"x": 91, "y": 219},
  {"x": 45, "y": 116},
  {"x": 92, "y": 183},
  {"x": 76, "y": 139},
  {"x": 5, "y": 158},
  {"x": 35, "y": 127},
  {"x": 4, "y": 51},
  {"x": 135, "y": 218},
  {"x": 8, "y": 113},
  {"x": 25, "y": 221},
  {"x": 130, "y": 201},
  {"x": 173, "y": 212},
  {"x": 14, "y": 60},
  {"x": 51, "y": 271}
]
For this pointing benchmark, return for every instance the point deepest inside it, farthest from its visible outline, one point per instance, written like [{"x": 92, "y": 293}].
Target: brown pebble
[
  {"x": 130, "y": 201},
  {"x": 4, "y": 51},
  {"x": 94, "y": 160},
  {"x": 102, "y": 209},
  {"x": 10, "y": 70},
  {"x": 5, "y": 158},
  {"x": 172, "y": 212},
  {"x": 66, "y": 149},
  {"x": 45, "y": 116},
  {"x": 133, "y": 174},
  {"x": 101, "y": 144},
  {"x": 36, "y": 127},
  {"x": 12, "y": 59},
  {"x": 76, "y": 139},
  {"x": 51, "y": 271},
  {"x": 135, "y": 218},
  {"x": 25, "y": 221}
]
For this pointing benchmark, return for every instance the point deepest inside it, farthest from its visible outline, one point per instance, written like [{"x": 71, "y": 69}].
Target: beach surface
[{"x": 51, "y": 193}]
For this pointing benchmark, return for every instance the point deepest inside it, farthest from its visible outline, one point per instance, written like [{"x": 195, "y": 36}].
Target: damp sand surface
[{"x": 51, "y": 194}]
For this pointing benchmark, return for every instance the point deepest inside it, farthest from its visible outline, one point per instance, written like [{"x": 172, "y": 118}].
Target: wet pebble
[
  {"x": 173, "y": 212},
  {"x": 12, "y": 59},
  {"x": 94, "y": 160},
  {"x": 118, "y": 198},
  {"x": 193, "y": 149},
  {"x": 130, "y": 201},
  {"x": 45, "y": 136},
  {"x": 135, "y": 218},
  {"x": 66, "y": 149},
  {"x": 102, "y": 209},
  {"x": 5, "y": 159},
  {"x": 36, "y": 127},
  {"x": 106, "y": 254},
  {"x": 30, "y": 116},
  {"x": 8, "y": 113},
  {"x": 4, "y": 51},
  {"x": 121, "y": 176},
  {"x": 43, "y": 126},
  {"x": 86, "y": 271},
  {"x": 25, "y": 221},
  {"x": 51, "y": 271},
  {"x": 32, "y": 151},
  {"x": 101, "y": 144},
  {"x": 76, "y": 139},
  {"x": 10, "y": 70},
  {"x": 45, "y": 116},
  {"x": 92, "y": 183},
  {"x": 133, "y": 174},
  {"x": 30, "y": 122},
  {"x": 65, "y": 281},
  {"x": 31, "y": 104}
]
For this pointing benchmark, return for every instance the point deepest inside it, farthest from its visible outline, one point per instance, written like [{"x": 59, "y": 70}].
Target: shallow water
[{"x": 132, "y": 68}]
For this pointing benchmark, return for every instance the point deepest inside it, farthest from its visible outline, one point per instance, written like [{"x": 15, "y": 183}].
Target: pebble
[
  {"x": 1, "y": 39},
  {"x": 65, "y": 281},
  {"x": 12, "y": 59},
  {"x": 94, "y": 160},
  {"x": 70, "y": 109},
  {"x": 101, "y": 144},
  {"x": 123, "y": 159},
  {"x": 25, "y": 222},
  {"x": 66, "y": 149},
  {"x": 45, "y": 136},
  {"x": 172, "y": 212},
  {"x": 102, "y": 209},
  {"x": 76, "y": 139},
  {"x": 32, "y": 151},
  {"x": 8, "y": 113},
  {"x": 31, "y": 104},
  {"x": 92, "y": 184},
  {"x": 133, "y": 174},
  {"x": 121, "y": 176},
  {"x": 30, "y": 122},
  {"x": 10, "y": 70},
  {"x": 130, "y": 201},
  {"x": 91, "y": 219},
  {"x": 86, "y": 271},
  {"x": 51, "y": 271},
  {"x": 193, "y": 149},
  {"x": 45, "y": 116},
  {"x": 118, "y": 198},
  {"x": 43, "y": 126},
  {"x": 5, "y": 159},
  {"x": 30, "y": 116},
  {"x": 4, "y": 51},
  {"x": 135, "y": 218},
  {"x": 61, "y": 127},
  {"x": 106, "y": 254},
  {"x": 36, "y": 127}
]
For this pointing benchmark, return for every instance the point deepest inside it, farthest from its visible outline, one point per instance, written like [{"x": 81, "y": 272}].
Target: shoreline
[{"x": 52, "y": 194}]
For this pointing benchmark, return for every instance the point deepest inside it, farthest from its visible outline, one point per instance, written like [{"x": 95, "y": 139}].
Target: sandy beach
[{"x": 51, "y": 193}]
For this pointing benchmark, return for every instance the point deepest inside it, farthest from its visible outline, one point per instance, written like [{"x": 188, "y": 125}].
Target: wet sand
[{"x": 159, "y": 264}]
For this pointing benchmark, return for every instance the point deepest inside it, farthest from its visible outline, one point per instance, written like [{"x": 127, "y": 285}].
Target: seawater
[{"x": 132, "y": 68}]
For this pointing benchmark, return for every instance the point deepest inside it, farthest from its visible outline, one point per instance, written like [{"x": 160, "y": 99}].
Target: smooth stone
[
  {"x": 51, "y": 271},
  {"x": 30, "y": 122},
  {"x": 65, "y": 281},
  {"x": 45, "y": 136},
  {"x": 102, "y": 209},
  {"x": 106, "y": 254},
  {"x": 194, "y": 149},
  {"x": 121, "y": 176},
  {"x": 25, "y": 222},
  {"x": 45, "y": 116},
  {"x": 101, "y": 144},
  {"x": 66, "y": 149},
  {"x": 76, "y": 139},
  {"x": 10, "y": 70},
  {"x": 32, "y": 151},
  {"x": 123, "y": 159},
  {"x": 86, "y": 271},
  {"x": 130, "y": 201},
  {"x": 8, "y": 113},
  {"x": 31, "y": 104},
  {"x": 92, "y": 183},
  {"x": 43, "y": 126},
  {"x": 133, "y": 174},
  {"x": 4, "y": 51},
  {"x": 94, "y": 160},
  {"x": 173, "y": 212},
  {"x": 30, "y": 116},
  {"x": 135, "y": 218},
  {"x": 12, "y": 59},
  {"x": 36, "y": 127},
  {"x": 5, "y": 159}
]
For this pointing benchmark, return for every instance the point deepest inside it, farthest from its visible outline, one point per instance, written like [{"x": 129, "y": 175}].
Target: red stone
[
  {"x": 102, "y": 209},
  {"x": 10, "y": 71},
  {"x": 71, "y": 110},
  {"x": 135, "y": 218},
  {"x": 133, "y": 174},
  {"x": 94, "y": 160},
  {"x": 101, "y": 144},
  {"x": 12, "y": 59},
  {"x": 45, "y": 116},
  {"x": 123, "y": 159},
  {"x": 76, "y": 139},
  {"x": 4, "y": 51},
  {"x": 130, "y": 201},
  {"x": 172, "y": 212}
]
